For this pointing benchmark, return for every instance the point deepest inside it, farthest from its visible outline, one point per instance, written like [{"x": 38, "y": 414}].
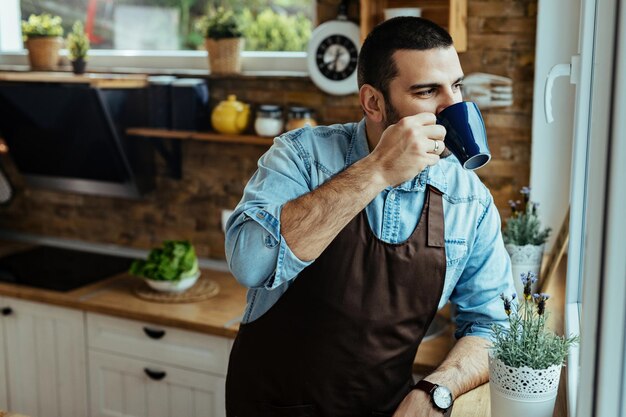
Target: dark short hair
[{"x": 376, "y": 65}]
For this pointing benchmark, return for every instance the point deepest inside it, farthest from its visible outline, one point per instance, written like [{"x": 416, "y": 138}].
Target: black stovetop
[{"x": 59, "y": 269}]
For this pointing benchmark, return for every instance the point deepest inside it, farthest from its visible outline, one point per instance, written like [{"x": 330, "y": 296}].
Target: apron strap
[{"x": 435, "y": 218}]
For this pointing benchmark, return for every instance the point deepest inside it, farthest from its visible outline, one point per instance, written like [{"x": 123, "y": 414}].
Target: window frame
[{"x": 12, "y": 53}]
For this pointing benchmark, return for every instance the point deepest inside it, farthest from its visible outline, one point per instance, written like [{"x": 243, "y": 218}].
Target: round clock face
[
  {"x": 336, "y": 57},
  {"x": 332, "y": 57},
  {"x": 442, "y": 397}
]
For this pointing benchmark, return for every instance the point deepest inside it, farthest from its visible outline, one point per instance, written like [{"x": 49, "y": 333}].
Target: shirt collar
[{"x": 433, "y": 175}]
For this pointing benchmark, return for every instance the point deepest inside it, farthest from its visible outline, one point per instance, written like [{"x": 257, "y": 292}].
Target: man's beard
[{"x": 392, "y": 117}]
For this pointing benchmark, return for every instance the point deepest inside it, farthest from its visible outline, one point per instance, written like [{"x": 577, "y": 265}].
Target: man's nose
[{"x": 447, "y": 99}]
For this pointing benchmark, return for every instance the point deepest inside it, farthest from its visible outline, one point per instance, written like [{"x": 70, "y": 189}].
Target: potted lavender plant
[
  {"x": 526, "y": 358},
  {"x": 524, "y": 238}
]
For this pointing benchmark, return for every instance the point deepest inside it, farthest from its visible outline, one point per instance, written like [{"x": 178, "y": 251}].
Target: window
[{"x": 169, "y": 33}]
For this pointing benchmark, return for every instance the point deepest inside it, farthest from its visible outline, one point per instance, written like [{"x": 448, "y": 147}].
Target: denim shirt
[{"x": 477, "y": 265}]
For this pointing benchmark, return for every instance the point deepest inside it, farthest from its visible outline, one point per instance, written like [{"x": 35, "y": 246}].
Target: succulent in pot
[
  {"x": 171, "y": 268},
  {"x": 78, "y": 47}
]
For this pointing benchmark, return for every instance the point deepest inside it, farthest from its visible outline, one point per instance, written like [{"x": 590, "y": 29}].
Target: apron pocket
[{"x": 291, "y": 411}]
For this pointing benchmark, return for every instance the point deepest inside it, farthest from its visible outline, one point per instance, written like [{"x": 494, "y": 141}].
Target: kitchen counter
[{"x": 219, "y": 316}]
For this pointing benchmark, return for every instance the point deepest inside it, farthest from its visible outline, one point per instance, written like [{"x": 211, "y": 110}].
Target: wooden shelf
[
  {"x": 93, "y": 79},
  {"x": 205, "y": 136},
  {"x": 451, "y": 14}
]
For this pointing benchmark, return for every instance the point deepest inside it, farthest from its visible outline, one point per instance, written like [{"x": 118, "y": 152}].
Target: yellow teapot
[{"x": 230, "y": 116}]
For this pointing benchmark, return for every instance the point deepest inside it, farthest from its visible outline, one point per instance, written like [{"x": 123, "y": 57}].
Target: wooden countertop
[
  {"x": 219, "y": 315},
  {"x": 96, "y": 80}
]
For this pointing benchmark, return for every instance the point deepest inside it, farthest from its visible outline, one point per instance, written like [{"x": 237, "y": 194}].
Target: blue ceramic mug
[{"x": 465, "y": 134}]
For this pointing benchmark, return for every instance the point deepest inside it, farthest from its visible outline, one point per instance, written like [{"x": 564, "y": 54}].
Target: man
[{"x": 350, "y": 237}]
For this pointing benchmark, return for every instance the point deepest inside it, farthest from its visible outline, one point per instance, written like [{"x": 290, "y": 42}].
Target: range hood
[{"x": 70, "y": 137}]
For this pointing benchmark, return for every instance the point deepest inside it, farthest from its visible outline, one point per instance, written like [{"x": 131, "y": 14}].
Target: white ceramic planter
[
  {"x": 522, "y": 392},
  {"x": 523, "y": 259},
  {"x": 173, "y": 286}
]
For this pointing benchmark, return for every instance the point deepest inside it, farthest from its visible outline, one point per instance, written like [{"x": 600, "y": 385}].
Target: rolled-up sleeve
[
  {"x": 487, "y": 274},
  {"x": 257, "y": 253}
]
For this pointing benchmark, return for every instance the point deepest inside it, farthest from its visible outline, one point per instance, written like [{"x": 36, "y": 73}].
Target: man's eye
[
  {"x": 426, "y": 93},
  {"x": 458, "y": 85}
]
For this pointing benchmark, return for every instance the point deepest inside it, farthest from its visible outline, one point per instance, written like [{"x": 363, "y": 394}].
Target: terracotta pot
[
  {"x": 224, "y": 55},
  {"x": 43, "y": 52}
]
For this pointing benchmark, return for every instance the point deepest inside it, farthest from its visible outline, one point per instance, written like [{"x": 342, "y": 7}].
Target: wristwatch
[{"x": 439, "y": 395}]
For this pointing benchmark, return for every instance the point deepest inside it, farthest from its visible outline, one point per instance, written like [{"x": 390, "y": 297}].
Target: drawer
[
  {"x": 125, "y": 386},
  {"x": 163, "y": 344}
]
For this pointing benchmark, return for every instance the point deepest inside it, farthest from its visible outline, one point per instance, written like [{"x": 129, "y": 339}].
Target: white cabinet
[
  {"x": 45, "y": 359},
  {"x": 141, "y": 369},
  {"x": 4, "y": 399},
  {"x": 125, "y": 386}
]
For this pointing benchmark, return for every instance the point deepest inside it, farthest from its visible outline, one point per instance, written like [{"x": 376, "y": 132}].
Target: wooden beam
[{"x": 457, "y": 24}]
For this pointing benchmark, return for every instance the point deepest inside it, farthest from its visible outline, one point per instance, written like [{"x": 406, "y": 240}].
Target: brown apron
[{"x": 341, "y": 341}]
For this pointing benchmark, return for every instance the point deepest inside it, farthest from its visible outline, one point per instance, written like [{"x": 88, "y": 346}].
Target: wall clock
[{"x": 332, "y": 56}]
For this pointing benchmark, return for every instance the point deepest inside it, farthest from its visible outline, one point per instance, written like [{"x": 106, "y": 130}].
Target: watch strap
[{"x": 425, "y": 386}]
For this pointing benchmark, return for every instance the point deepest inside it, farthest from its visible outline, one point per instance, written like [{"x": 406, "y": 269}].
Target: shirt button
[
  {"x": 260, "y": 215},
  {"x": 392, "y": 196}
]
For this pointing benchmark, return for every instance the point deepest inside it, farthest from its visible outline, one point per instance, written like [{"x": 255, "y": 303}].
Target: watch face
[
  {"x": 442, "y": 397},
  {"x": 336, "y": 57}
]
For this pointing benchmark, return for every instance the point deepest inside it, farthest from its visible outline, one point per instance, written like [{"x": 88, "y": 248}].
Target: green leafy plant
[
  {"x": 527, "y": 342},
  {"x": 220, "y": 23},
  {"x": 271, "y": 31},
  {"x": 524, "y": 226},
  {"x": 42, "y": 25},
  {"x": 175, "y": 260},
  {"x": 266, "y": 30},
  {"x": 77, "y": 42}
]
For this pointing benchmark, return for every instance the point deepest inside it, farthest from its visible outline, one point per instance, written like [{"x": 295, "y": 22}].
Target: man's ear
[{"x": 372, "y": 102}]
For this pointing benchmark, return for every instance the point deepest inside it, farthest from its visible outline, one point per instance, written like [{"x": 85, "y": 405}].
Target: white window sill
[{"x": 179, "y": 62}]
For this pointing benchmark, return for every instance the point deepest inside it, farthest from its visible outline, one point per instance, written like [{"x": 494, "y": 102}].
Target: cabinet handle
[
  {"x": 7, "y": 311},
  {"x": 156, "y": 375},
  {"x": 154, "y": 333}
]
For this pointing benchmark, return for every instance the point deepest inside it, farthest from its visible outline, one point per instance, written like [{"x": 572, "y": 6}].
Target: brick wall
[{"x": 501, "y": 41}]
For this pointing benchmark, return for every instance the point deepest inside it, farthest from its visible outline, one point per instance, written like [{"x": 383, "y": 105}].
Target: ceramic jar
[
  {"x": 269, "y": 121},
  {"x": 299, "y": 117}
]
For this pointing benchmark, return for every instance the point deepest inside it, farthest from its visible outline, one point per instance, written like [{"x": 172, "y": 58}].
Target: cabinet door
[
  {"x": 4, "y": 400},
  {"x": 129, "y": 387},
  {"x": 46, "y": 360}
]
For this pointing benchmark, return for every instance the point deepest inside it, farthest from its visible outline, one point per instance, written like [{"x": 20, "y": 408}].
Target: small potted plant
[
  {"x": 526, "y": 358},
  {"x": 43, "y": 37},
  {"x": 170, "y": 268},
  {"x": 77, "y": 48},
  {"x": 524, "y": 238},
  {"x": 223, "y": 40}
]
